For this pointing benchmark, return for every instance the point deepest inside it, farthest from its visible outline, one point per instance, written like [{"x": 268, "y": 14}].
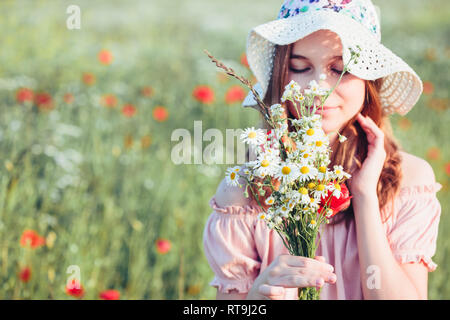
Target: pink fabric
[{"x": 238, "y": 245}]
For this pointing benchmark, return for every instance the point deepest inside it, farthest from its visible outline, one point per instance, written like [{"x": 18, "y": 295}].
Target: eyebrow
[{"x": 298, "y": 56}]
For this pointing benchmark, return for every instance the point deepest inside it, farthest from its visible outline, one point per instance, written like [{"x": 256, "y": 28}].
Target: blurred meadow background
[{"x": 86, "y": 177}]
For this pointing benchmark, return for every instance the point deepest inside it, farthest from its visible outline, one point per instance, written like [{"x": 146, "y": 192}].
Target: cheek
[{"x": 352, "y": 92}]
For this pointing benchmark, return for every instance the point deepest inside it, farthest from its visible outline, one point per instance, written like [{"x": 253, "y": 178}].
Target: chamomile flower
[
  {"x": 314, "y": 87},
  {"x": 311, "y": 135},
  {"x": 304, "y": 195},
  {"x": 276, "y": 110},
  {"x": 269, "y": 201},
  {"x": 335, "y": 189},
  {"x": 266, "y": 165},
  {"x": 323, "y": 173},
  {"x": 299, "y": 97},
  {"x": 284, "y": 210},
  {"x": 294, "y": 86},
  {"x": 339, "y": 172},
  {"x": 320, "y": 191},
  {"x": 232, "y": 177},
  {"x": 287, "y": 95},
  {"x": 307, "y": 172},
  {"x": 312, "y": 224},
  {"x": 328, "y": 213},
  {"x": 253, "y": 136},
  {"x": 287, "y": 172},
  {"x": 314, "y": 203},
  {"x": 264, "y": 216}
]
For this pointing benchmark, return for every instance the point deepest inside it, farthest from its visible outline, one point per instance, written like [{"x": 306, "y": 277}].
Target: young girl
[{"x": 381, "y": 246}]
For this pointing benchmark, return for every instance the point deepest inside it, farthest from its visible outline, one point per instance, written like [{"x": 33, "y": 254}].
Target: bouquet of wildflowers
[{"x": 294, "y": 166}]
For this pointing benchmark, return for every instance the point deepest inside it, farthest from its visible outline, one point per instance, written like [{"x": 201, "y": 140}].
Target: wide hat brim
[{"x": 401, "y": 87}]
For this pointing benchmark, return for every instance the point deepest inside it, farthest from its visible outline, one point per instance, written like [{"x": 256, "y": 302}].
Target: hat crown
[{"x": 363, "y": 11}]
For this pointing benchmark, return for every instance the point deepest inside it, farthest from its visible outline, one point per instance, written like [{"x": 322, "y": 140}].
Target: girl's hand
[
  {"x": 288, "y": 271},
  {"x": 365, "y": 180}
]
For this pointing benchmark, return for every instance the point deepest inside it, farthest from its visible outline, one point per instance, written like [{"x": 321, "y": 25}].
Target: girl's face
[{"x": 321, "y": 52}]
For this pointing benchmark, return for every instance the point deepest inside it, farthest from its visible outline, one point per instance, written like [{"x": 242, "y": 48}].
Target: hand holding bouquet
[{"x": 290, "y": 180}]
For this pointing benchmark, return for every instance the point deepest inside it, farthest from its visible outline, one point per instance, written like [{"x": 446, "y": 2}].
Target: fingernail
[{"x": 332, "y": 278}]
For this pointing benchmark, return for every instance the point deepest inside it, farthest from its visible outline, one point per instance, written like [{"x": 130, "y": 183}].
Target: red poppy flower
[
  {"x": 109, "y": 100},
  {"x": 128, "y": 110},
  {"x": 31, "y": 238},
  {"x": 75, "y": 289},
  {"x": 147, "y": 91},
  {"x": 244, "y": 61},
  {"x": 105, "y": 57},
  {"x": 69, "y": 98},
  {"x": 428, "y": 87},
  {"x": 110, "y": 295},
  {"x": 447, "y": 168},
  {"x": 25, "y": 274},
  {"x": 163, "y": 246},
  {"x": 44, "y": 101},
  {"x": 235, "y": 94},
  {"x": 336, "y": 204},
  {"x": 88, "y": 78},
  {"x": 204, "y": 94},
  {"x": 24, "y": 95},
  {"x": 160, "y": 113},
  {"x": 434, "y": 153}
]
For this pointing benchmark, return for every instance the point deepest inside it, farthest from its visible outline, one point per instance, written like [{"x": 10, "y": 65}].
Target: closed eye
[{"x": 306, "y": 69}]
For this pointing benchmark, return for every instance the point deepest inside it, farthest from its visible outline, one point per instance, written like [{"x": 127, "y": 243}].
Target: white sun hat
[{"x": 357, "y": 23}]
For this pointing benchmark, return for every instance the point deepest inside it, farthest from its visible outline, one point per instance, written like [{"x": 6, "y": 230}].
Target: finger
[
  {"x": 297, "y": 261},
  {"x": 320, "y": 258},
  {"x": 272, "y": 292},
  {"x": 326, "y": 275}
]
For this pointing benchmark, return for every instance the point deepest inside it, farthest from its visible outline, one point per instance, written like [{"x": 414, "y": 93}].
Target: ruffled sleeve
[
  {"x": 414, "y": 231},
  {"x": 230, "y": 248}
]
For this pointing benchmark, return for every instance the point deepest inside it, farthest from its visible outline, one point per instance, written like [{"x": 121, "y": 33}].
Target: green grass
[{"x": 124, "y": 199}]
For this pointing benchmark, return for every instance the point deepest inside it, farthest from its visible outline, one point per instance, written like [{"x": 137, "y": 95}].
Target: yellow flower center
[
  {"x": 338, "y": 171},
  {"x": 265, "y": 163},
  {"x": 262, "y": 216},
  {"x": 306, "y": 155},
  {"x": 303, "y": 190},
  {"x": 337, "y": 186},
  {"x": 310, "y": 132},
  {"x": 311, "y": 185},
  {"x": 319, "y": 143},
  {"x": 304, "y": 170},
  {"x": 286, "y": 170},
  {"x": 322, "y": 169},
  {"x": 252, "y": 135},
  {"x": 320, "y": 187},
  {"x": 311, "y": 200},
  {"x": 233, "y": 176},
  {"x": 313, "y": 222}
]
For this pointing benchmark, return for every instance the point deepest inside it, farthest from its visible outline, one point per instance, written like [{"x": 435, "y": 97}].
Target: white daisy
[
  {"x": 269, "y": 201},
  {"x": 284, "y": 210},
  {"x": 335, "y": 189},
  {"x": 294, "y": 86},
  {"x": 314, "y": 203},
  {"x": 287, "y": 172},
  {"x": 232, "y": 177},
  {"x": 307, "y": 172},
  {"x": 320, "y": 191},
  {"x": 314, "y": 87},
  {"x": 323, "y": 174},
  {"x": 339, "y": 172},
  {"x": 276, "y": 110},
  {"x": 287, "y": 95},
  {"x": 312, "y": 224},
  {"x": 304, "y": 195},
  {"x": 253, "y": 136},
  {"x": 266, "y": 165}
]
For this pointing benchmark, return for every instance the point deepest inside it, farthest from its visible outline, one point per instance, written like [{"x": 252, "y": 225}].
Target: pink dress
[{"x": 239, "y": 246}]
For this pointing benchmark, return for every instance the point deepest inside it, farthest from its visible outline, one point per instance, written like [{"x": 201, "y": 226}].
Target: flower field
[{"x": 87, "y": 184}]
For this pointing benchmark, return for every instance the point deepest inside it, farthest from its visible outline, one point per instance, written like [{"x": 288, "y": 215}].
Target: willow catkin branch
[{"x": 262, "y": 106}]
